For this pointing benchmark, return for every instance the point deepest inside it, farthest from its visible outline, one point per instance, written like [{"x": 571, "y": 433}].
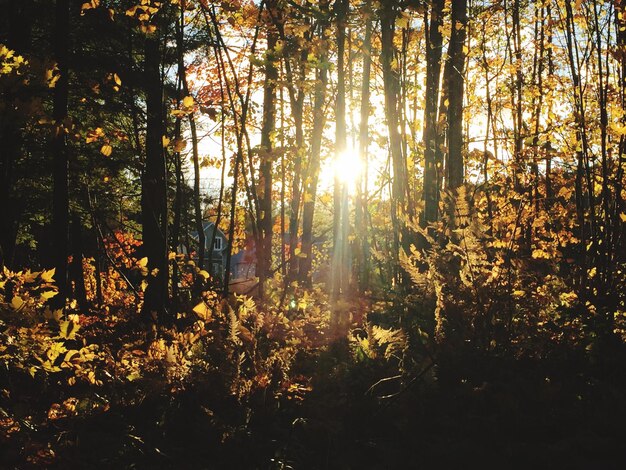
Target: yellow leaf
[
  {"x": 150, "y": 28},
  {"x": 47, "y": 275},
  {"x": 402, "y": 22},
  {"x": 188, "y": 101},
  {"x": 519, "y": 293},
  {"x": 17, "y": 303},
  {"x": 166, "y": 141},
  {"x": 106, "y": 150},
  {"x": 202, "y": 310},
  {"x": 30, "y": 277},
  {"x": 204, "y": 274},
  {"x": 143, "y": 262},
  {"x": 622, "y": 216},
  {"x": 446, "y": 103},
  {"x": 538, "y": 253},
  {"x": 68, "y": 329},
  {"x": 48, "y": 295},
  {"x": 53, "y": 315},
  {"x": 117, "y": 79}
]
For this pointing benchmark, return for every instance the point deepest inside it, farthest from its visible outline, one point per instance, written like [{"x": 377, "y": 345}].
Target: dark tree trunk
[
  {"x": 60, "y": 196},
  {"x": 433, "y": 71},
  {"x": 455, "y": 68},
  {"x": 18, "y": 39},
  {"x": 154, "y": 201},
  {"x": 266, "y": 222}
]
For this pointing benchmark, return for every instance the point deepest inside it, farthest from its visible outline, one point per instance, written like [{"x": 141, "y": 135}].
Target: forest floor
[{"x": 496, "y": 413}]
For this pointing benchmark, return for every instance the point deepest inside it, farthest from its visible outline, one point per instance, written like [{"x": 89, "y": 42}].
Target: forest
[{"x": 312, "y": 234}]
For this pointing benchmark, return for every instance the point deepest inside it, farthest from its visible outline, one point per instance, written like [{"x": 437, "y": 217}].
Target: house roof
[{"x": 208, "y": 229}]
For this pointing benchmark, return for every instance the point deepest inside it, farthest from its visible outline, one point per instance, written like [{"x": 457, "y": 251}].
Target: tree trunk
[
  {"x": 433, "y": 71},
  {"x": 361, "y": 210},
  {"x": 391, "y": 83},
  {"x": 266, "y": 222},
  {"x": 78, "y": 275},
  {"x": 310, "y": 186},
  {"x": 18, "y": 39},
  {"x": 197, "y": 203},
  {"x": 60, "y": 197},
  {"x": 455, "y": 67},
  {"x": 154, "y": 197}
]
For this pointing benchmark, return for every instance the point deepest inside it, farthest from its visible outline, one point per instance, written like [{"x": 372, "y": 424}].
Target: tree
[
  {"x": 59, "y": 147},
  {"x": 267, "y": 155},
  {"x": 311, "y": 182},
  {"x": 455, "y": 73},
  {"x": 154, "y": 195},
  {"x": 433, "y": 72}
]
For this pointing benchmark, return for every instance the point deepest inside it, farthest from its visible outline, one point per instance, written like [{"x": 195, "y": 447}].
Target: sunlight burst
[{"x": 347, "y": 168}]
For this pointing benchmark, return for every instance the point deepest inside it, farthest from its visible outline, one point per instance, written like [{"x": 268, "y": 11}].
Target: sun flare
[{"x": 344, "y": 168}]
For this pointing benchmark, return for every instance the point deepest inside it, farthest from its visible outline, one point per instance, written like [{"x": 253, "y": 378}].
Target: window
[{"x": 217, "y": 244}]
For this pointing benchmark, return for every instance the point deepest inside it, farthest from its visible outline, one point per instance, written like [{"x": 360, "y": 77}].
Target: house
[
  {"x": 243, "y": 263},
  {"x": 216, "y": 254}
]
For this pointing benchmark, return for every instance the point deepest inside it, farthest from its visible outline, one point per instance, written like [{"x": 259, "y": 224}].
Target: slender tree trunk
[
  {"x": 391, "y": 83},
  {"x": 197, "y": 202},
  {"x": 618, "y": 209},
  {"x": 78, "y": 275},
  {"x": 266, "y": 223},
  {"x": 582, "y": 155},
  {"x": 361, "y": 210},
  {"x": 310, "y": 187},
  {"x": 339, "y": 268},
  {"x": 60, "y": 197},
  {"x": 178, "y": 208},
  {"x": 433, "y": 72}
]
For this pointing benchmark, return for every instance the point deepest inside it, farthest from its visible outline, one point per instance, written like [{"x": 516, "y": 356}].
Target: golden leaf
[
  {"x": 48, "y": 295},
  {"x": 47, "y": 276},
  {"x": 68, "y": 329},
  {"x": 106, "y": 150},
  {"x": 188, "y": 101},
  {"x": 202, "y": 310},
  {"x": 17, "y": 303}
]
